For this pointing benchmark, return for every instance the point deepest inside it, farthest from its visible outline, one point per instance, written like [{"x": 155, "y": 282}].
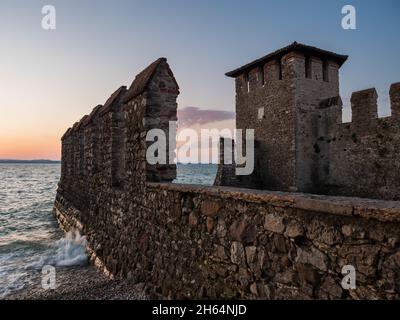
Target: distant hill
[{"x": 39, "y": 161}]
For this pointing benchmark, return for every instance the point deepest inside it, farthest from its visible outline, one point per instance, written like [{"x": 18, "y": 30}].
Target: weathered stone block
[
  {"x": 210, "y": 208},
  {"x": 294, "y": 230},
  {"x": 331, "y": 288},
  {"x": 307, "y": 274},
  {"x": 251, "y": 254},
  {"x": 243, "y": 231},
  {"x": 323, "y": 232},
  {"x": 193, "y": 219},
  {"x": 362, "y": 257},
  {"x": 210, "y": 224},
  {"x": 312, "y": 256},
  {"x": 274, "y": 223},
  {"x": 238, "y": 253}
]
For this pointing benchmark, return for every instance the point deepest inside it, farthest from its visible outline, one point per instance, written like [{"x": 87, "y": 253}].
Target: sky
[{"x": 50, "y": 78}]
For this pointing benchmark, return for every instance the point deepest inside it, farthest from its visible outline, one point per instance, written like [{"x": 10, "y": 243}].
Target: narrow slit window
[
  {"x": 280, "y": 69},
  {"x": 262, "y": 78},
  {"x": 247, "y": 82},
  {"x": 325, "y": 71},
  {"x": 308, "y": 67}
]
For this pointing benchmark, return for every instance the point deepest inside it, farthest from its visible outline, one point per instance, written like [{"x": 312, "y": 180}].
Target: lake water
[{"x": 29, "y": 234}]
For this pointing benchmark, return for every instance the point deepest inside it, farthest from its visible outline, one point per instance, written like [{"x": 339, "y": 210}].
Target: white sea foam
[
  {"x": 66, "y": 252},
  {"x": 29, "y": 235},
  {"x": 18, "y": 269},
  {"x": 71, "y": 250}
]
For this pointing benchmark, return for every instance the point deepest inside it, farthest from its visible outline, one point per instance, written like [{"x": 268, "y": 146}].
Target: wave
[
  {"x": 21, "y": 261},
  {"x": 66, "y": 252},
  {"x": 71, "y": 250}
]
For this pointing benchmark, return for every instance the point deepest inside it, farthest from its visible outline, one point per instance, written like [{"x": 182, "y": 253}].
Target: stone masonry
[
  {"x": 188, "y": 241},
  {"x": 291, "y": 99}
]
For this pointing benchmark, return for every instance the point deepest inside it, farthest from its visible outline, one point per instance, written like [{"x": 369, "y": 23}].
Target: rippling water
[
  {"x": 29, "y": 234},
  {"x": 196, "y": 173}
]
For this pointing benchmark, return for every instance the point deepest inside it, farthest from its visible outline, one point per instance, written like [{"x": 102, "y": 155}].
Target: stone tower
[{"x": 279, "y": 97}]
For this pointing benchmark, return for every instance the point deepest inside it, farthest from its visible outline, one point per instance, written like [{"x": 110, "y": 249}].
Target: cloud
[{"x": 190, "y": 116}]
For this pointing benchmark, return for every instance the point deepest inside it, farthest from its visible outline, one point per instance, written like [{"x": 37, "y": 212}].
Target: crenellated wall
[
  {"x": 106, "y": 147},
  {"x": 188, "y": 241},
  {"x": 362, "y": 157},
  {"x": 291, "y": 99}
]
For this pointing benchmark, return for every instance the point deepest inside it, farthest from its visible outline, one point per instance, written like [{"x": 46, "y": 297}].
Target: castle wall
[
  {"x": 287, "y": 132},
  {"x": 216, "y": 242},
  {"x": 309, "y": 93},
  {"x": 362, "y": 157},
  {"x": 274, "y": 132},
  {"x": 302, "y": 144},
  {"x": 226, "y": 175},
  {"x": 212, "y": 242}
]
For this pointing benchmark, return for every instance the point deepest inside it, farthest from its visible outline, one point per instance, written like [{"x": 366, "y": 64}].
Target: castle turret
[{"x": 278, "y": 96}]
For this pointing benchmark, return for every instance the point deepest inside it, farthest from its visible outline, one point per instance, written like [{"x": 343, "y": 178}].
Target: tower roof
[{"x": 294, "y": 47}]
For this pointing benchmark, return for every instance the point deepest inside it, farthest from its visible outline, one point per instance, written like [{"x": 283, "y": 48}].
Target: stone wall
[
  {"x": 292, "y": 102},
  {"x": 211, "y": 242},
  {"x": 360, "y": 158},
  {"x": 274, "y": 131},
  {"x": 226, "y": 175},
  {"x": 218, "y": 242},
  {"x": 287, "y": 97},
  {"x": 108, "y": 147},
  {"x": 226, "y": 172}
]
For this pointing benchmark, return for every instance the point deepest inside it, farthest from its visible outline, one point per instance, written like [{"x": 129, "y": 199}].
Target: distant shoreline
[{"x": 39, "y": 161}]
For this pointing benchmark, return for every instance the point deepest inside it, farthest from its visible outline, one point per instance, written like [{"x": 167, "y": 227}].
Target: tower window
[
  {"x": 247, "y": 82},
  {"x": 261, "y": 75},
  {"x": 308, "y": 67},
  {"x": 280, "y": 69},
  {"x": 325, "y": 71}
]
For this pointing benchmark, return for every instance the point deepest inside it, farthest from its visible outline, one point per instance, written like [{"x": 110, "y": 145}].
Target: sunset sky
[{"x": 51, "y": 78}]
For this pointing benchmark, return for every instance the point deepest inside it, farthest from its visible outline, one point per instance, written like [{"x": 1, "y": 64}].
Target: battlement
[
  {"x": 289, "y": 67},
  {"x": 364, "y": 108},
  {"x": 296, "y": 61},
  {"x": 94, "y": 148},
  {"x": 360, "y": 157},
  {"x": 290, "y": 97},
  {"x": 394, "y": 93}
]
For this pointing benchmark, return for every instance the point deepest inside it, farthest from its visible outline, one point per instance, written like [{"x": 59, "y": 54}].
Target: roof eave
[{"x": 294, "y": 47}]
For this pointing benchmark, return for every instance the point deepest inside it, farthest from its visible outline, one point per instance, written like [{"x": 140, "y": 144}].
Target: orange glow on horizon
[
  {"x": 31, "y": 147},
  {"x": 48, "y": 146}
]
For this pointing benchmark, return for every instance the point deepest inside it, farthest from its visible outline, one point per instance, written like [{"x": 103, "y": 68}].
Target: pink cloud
[{"x": 189, "y": 116}]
